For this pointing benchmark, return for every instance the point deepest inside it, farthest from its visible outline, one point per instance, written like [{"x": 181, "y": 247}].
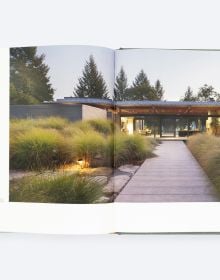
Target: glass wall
[
  {"x": 163, "y": 126},
  {"x": 149, "y": 126},
  {"x": 187, "y": 126}
]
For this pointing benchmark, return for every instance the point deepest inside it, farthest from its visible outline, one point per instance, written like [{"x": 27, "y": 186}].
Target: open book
[{"x": 105, "y": 141}]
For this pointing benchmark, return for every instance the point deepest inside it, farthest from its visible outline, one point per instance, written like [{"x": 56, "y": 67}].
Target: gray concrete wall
[{"x": 71, "y": 112}]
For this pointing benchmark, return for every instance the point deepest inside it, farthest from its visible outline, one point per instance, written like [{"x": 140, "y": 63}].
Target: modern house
[
  {"x": 151, "y": 118},
  {"x": 168, "y": 118}
]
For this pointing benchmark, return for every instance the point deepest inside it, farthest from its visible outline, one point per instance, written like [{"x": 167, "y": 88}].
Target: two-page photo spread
[{"x": 93, "y": 126}]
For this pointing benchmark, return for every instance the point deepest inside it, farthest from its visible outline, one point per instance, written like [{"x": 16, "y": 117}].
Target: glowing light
[
  {"x": 81, "y": 163},
  {"x": 130, "y": 126}
]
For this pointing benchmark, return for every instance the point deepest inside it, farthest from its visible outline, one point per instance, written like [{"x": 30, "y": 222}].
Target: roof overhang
[
  {"x": 146, "y": 107},
  {"x": 95, "y": 102},
  {"x": 178, "y": 108}
]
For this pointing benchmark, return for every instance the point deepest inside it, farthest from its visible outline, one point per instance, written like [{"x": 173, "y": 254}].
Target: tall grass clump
[
  {"x": 77, "y": 128},
  {"x": 206, "y": 149},
  {"x": 59, "y": 189},
  {"x": 18, "y": 126},
  {"x": 82, "y": 126},
  {"x": 51, "y": 122},
  {"x": 21, "y": 125},
  {"x": 38, "y": 149},
  {"x": 88, "y": 145},
  {"x": 103, "y": 126},
  {"x": 131, "y": 148}
]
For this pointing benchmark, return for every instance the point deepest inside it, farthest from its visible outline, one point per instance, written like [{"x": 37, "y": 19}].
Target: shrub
[
  {"x": 88, "y": 145},
  {"x": 102, "y": 126},
  {"x": 58, "y": 189},
  {"x": 48, "y": 142},
  {"x": 206, "y": 149},
  {"x": 76, "y": 128},
  {"x": 18, "y": 126},
  {"x": 81, "y": 126},
  {"x": 105, "y": 127},
  {"x": 109, "y": 151},
  {"x": 213, "y": 168},
  {"x": 40, "y": 148},
  {"x": 203, "y": 146},
  {"x": 131, "y": 148},
  {"x": 51, "y": 122},
  {"x": 21, "y": 125}
]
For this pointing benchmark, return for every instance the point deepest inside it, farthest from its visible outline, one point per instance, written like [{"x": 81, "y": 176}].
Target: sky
[
  {"x": 67, "y": 62},
  {"x": 176, "y": 69}
]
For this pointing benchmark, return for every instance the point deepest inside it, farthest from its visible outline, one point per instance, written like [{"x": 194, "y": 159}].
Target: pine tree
[
  {"x": 121, "y": 85},
  {"x": 29, "y": 81},
  {"x": 159, "y": 90},
  {"x": 141, "y": 89},
  {"x": 141, "y": 80},
  {"x": 189, "y": 96},
  {"x": 91, "y": 84}
]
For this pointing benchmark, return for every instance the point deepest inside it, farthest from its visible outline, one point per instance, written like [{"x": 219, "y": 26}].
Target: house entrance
[{"x": 168, "y": 127}]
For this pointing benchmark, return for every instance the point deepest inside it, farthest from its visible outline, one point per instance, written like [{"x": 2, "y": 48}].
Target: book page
[
  {"x": 168, "y": 141},
  {"x": 61, "y": 139}
]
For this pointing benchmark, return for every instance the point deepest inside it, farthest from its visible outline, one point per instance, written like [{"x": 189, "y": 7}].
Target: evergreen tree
[
  {"x": 121, "y": 85},
  {"x": 91, "y": 84},
  {"x": 189, "y": 96},
  {"x": 29, "y": 81},
  {"x": 159, "y": 90},
  {"x": 141, "y": 89},
  {"x": 141, "y": 80},
  {"x": 207, "y": 93}
]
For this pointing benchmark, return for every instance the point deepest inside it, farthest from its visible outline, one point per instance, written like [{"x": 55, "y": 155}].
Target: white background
[{"x": 170, "y": 24}]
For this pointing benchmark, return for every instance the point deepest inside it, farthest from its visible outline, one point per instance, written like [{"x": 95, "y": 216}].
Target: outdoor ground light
[{"x": 81, "y": 162}]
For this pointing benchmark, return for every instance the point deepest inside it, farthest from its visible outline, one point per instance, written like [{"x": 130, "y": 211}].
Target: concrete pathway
[{"x": 173, "y": 176}]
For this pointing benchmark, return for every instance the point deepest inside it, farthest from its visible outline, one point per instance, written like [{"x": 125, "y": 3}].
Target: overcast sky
[
  {"x": 67, "y": 62},
  {"x": 174, "y": 68}
]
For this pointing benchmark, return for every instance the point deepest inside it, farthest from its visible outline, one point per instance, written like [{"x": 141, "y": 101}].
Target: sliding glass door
[{"x": 168, "y": 127}]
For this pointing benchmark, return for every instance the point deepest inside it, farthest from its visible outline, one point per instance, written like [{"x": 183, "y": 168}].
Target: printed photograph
[{"x": 94, "y": 125}]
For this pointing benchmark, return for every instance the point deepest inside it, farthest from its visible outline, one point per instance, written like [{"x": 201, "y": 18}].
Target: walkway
[{"x": 173, "y": 176}]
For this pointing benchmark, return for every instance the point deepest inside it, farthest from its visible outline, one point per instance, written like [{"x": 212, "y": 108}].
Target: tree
[
  {"x": 141, "y": 89},
  {"x": 207, "y": 93},
  {"x": 159, "y": 90},
  {"x": 91, "y": 84},
  {"x": 121, "y": 85},
  {"x": 141, "y": 80},
  {"x": 189, "y": 96},
  {"x": 29, "y": 81}
]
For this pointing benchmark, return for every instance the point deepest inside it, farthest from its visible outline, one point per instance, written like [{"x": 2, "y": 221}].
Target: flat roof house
[
  {"x": 158, "y": 118},
  {"x": 173, "y": 119}
]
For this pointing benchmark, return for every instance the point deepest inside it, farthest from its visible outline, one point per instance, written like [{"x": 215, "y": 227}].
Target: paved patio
[{"x": 173, "y": 176}]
